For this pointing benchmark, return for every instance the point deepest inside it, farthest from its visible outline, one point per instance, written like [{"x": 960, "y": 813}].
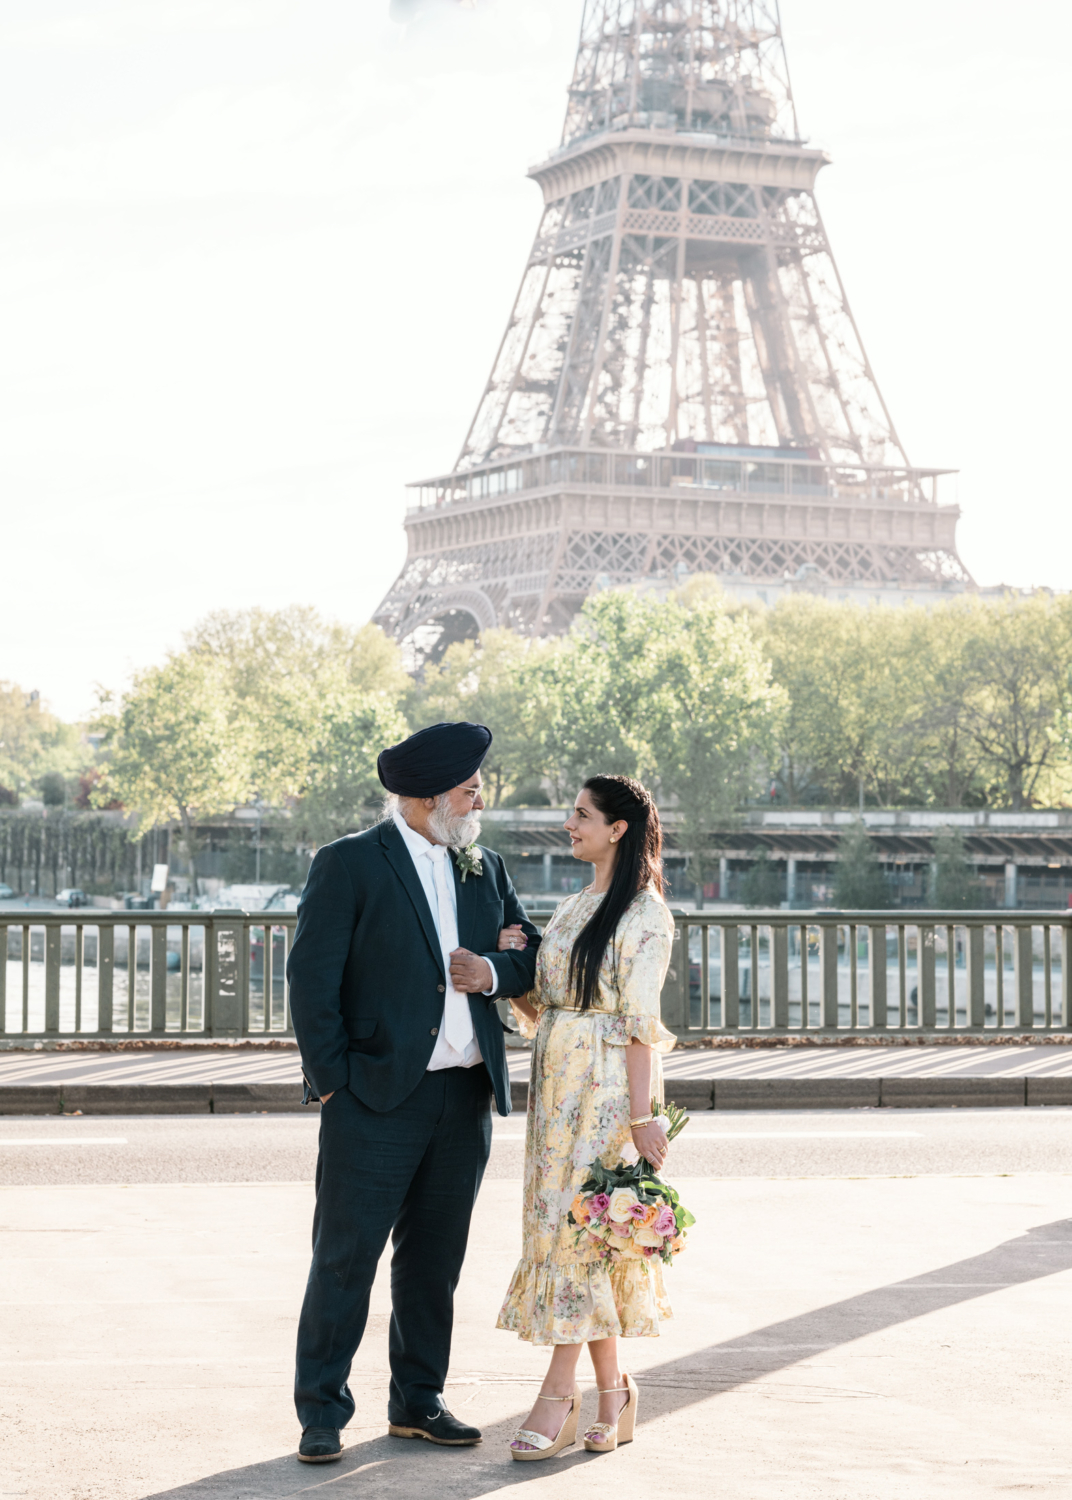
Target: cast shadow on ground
[{"x": 388, "y": 1467}]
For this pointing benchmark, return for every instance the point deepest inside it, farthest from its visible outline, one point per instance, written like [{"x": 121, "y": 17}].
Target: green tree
[
  {"x": 762, "y": 884},
  {"x": 340, "y": 782},
  {"x": 675, "y": 692},
  {"x": 283, "y": 668},
  {"x": 955, "y": 883},
  {"x": 1015, "y": 660},
  {"x": 35, "y": 744},
  {"x": 858, "y": 881},
  {"x": 177, "y": 750},
  {"x": 853, "y": 692},
  {"x": 489, "y": 681},
  {"x": 943, "y": 764}
]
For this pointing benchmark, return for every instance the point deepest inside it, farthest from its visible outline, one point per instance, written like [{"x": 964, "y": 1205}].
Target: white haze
[{"x": 257, "y": 256}]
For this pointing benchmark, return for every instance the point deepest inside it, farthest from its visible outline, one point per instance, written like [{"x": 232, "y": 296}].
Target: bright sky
[{"x": 256, "y": 257}]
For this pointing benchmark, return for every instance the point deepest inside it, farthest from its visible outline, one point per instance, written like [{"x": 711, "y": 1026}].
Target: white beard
[{"x": 451, "y": 830}]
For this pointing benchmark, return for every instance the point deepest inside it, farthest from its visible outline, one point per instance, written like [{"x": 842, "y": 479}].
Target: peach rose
[
  {"x": 645, "y": 1214},
  {"x": 579, "y": 1209}
]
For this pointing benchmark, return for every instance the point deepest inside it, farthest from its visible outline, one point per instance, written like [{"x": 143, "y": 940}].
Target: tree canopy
[{"x": 968, "y": 704}]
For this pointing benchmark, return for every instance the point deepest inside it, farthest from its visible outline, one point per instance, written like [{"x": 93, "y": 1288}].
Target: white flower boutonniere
[{"x": 469, "y": 861}]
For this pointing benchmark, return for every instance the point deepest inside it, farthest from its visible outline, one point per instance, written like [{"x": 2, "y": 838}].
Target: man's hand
[{"x": 469, "y": 973}]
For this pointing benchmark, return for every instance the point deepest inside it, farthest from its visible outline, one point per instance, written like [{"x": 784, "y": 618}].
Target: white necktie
[{"x": 457, "y": 1018}]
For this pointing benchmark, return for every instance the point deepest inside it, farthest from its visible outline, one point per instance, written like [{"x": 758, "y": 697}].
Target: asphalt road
[{"x": 790, "y": 1144}]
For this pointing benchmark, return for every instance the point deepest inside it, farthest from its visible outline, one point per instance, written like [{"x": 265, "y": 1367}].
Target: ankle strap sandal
[
  {"x": 541, "y": 1445},
  {"x": 613, "y": 1433}
]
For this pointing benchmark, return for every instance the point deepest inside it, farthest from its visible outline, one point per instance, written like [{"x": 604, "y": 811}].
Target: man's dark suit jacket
[{"x": 366, "y": 969}]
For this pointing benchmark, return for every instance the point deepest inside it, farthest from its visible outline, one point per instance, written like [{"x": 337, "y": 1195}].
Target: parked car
[
  {"x": 72, "y": 896},
  {"x": 6, "y": 893}
]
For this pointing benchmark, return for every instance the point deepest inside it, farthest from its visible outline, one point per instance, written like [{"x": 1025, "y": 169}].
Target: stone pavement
[{"x": 872, "y": 1337}]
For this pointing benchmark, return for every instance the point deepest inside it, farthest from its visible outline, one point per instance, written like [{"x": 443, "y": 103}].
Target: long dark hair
[{"x": 638, "y": 866}]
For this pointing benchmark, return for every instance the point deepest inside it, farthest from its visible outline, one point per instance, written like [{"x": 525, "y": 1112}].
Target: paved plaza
[{"x": 868, "y": 1309}]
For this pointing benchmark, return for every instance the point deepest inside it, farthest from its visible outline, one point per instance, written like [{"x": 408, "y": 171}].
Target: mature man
[{"x": 392, "y": 977}]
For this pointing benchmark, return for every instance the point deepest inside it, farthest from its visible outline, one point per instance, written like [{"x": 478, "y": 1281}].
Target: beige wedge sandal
[
  {"x": 614, "y": 1432},
  {"x": 545, "y": 1447}
]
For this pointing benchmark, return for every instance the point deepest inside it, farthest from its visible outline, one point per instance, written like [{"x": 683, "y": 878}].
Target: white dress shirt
[{"x": 430, "y": 860}]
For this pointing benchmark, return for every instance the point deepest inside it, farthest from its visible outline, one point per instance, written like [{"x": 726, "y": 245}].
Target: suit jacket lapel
[{"x": 395, "y": 849}]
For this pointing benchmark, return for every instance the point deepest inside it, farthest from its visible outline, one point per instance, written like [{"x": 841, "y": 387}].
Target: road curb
[
  {"x": 691, "y": 1093},
  {"x": 953, "y": 1093},
  {"x": 137, "y": 1098},
  {"x": 1049, "y": 1091},
  {"x": 276, "y": 1098},
  {"x": 30, "y": 1099},
  {"x": 797, "y": 1093}
]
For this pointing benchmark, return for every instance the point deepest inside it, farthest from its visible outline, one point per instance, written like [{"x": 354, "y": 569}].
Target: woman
[{"x": 594, "y": 1014}]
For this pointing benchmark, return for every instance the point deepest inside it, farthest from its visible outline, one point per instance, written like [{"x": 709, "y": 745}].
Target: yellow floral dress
[{"x": 578, "y": 1111}]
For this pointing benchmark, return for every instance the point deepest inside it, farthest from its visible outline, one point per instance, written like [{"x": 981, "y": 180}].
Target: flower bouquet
[{"x": 627, "y": 1212}]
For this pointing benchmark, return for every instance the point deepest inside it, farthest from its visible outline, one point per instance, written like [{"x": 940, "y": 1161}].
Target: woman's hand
[
  {"x": 512, "y": 938},
  {"x": 650, "y": 1140}
]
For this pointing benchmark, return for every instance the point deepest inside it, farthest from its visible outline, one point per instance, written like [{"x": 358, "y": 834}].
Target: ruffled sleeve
[
  {"x": 526, "y": 1027},
  {"x": 644, "y": 943}
]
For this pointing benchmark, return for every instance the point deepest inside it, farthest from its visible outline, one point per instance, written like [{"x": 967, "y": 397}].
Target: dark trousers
[{"x": 413, "y": 1173}]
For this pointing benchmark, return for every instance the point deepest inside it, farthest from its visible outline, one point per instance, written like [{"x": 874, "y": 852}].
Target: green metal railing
[
  {"x": 869, "y": 972},
  {"x": 96, "y": 974},
  {"x": 99, "y": 974}
]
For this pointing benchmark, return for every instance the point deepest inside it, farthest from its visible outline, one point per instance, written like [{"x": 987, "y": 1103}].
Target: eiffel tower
[{"x": 681, "y": 386}]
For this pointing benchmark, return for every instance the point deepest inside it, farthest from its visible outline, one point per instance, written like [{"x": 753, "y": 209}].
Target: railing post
[
  {"x": 158, "y": 977},
  {"x": 53, "y": 939},
  {"x": 1025, "y": 977},
  {"x": 779, "y": 977},
  {"x": 731, "y": 987},
  {"x": 105, "y": 974},
  {"x": 672, "y": 1004},
  {"x": 223, "y": 991},
  {"x": 3, "y": 979},
  {"x": 976, "y": 944},
  {"x": 927, "y": 1010},
  {"x": 876, "y": 966},
  {"x": 828, "y": 936},
  {"x": 1065, "y": 1007}
]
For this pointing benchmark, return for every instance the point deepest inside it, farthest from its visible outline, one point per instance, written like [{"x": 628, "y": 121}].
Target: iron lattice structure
[{"x": 681, "y": 386}]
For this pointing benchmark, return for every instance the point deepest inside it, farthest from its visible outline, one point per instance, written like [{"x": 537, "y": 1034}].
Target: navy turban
[{"x": 434, "y": 760}]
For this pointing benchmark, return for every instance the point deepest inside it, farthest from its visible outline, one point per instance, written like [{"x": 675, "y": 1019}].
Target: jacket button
[
  {"x": 441, "y": 988},
  {"x": 435, "y": 1030}
]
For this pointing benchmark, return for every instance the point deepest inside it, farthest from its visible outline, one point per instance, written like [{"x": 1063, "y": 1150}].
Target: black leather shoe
[
  {"x": 439, "y": 1427},
  {"x": 319, "y": 1445}
]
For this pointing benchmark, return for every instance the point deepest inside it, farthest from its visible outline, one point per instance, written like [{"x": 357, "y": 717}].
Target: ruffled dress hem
[{"x": 577, "y": 1301}]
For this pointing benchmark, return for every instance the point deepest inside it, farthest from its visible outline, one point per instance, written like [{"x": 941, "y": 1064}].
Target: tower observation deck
[{"x": 681, "y": 386}]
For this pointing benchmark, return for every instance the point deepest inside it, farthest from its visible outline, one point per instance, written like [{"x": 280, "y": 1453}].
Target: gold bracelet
[{"x": 640, "y": 1120}]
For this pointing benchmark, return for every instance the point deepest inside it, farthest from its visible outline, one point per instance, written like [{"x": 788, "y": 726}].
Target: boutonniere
[{"x": 470, "y": 861}]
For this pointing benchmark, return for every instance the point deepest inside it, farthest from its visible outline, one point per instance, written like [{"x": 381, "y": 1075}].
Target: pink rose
[
  {"x": 622, "y": 1229},
  {"x": 665, "y": 1224},
  {"x": 597, "y": 1206}
]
